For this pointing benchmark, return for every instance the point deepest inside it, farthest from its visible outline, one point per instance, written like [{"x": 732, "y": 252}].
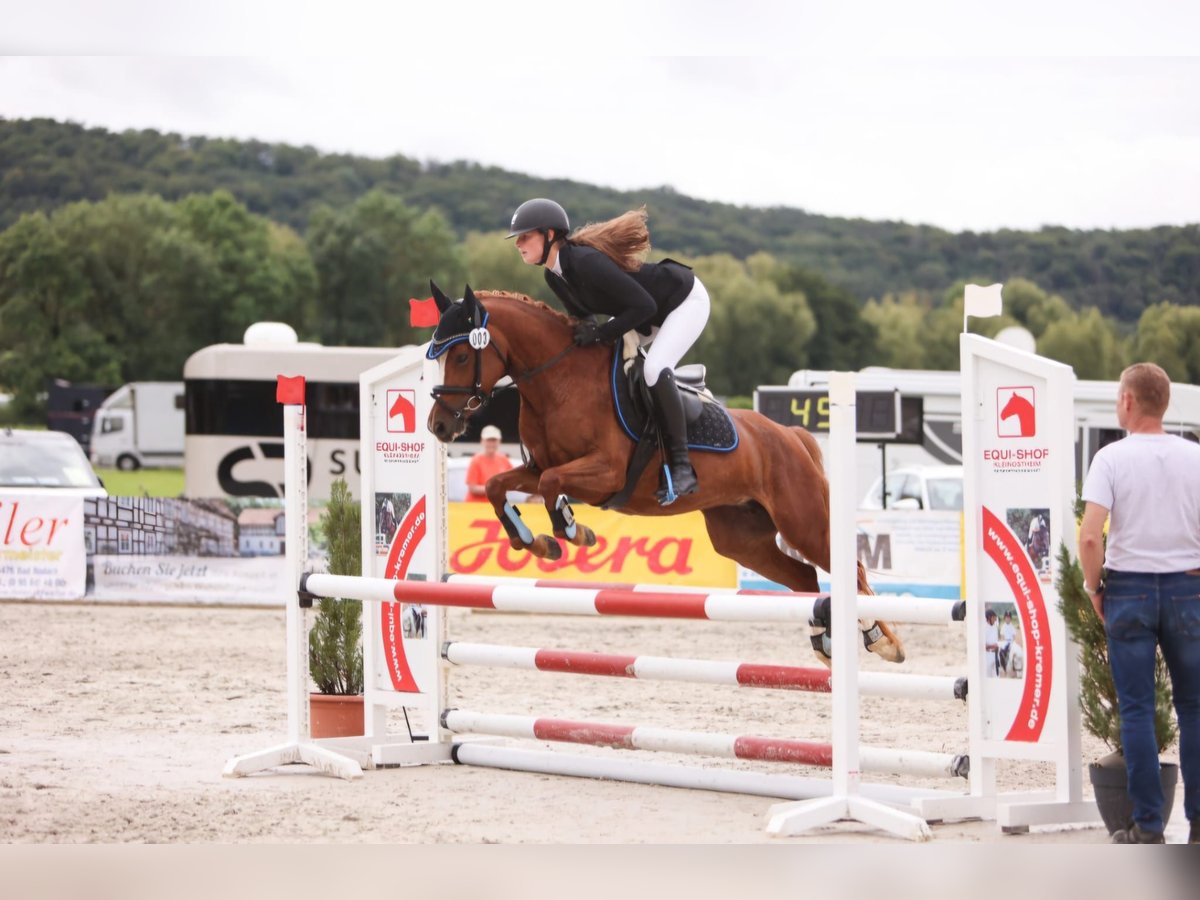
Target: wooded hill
[{"x": 46, "y": 164}]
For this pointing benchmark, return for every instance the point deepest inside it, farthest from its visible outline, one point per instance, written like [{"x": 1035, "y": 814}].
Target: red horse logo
[
  {"x": 402, "y": 405},
  {"x": 1022, "y": 407}
]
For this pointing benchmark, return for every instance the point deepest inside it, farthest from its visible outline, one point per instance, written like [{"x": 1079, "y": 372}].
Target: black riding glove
[{"x": 587, "y": 332}]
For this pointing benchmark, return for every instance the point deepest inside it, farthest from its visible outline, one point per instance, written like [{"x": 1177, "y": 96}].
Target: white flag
[{"x": 982, "y": 302}]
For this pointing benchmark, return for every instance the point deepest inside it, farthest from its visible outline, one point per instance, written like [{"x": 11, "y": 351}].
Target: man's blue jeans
[{"x": 1141, "y": 611}]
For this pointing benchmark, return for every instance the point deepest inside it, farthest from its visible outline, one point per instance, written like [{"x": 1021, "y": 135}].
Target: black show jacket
[{"x": 592, "y": 283}]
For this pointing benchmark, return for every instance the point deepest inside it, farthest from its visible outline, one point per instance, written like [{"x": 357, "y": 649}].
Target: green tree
[
  {"x": 146, "y": 278},
  {"x": 1170, "y": 336},
  {"x": 127, "y": 288},
  {"x": 370, "y": 259},
  {"x": 45, "y": 165},
  {"x": 899, "y": 324},
  {"x": 255, "y": 271},
  {"x": 845, "y": 340},
  {"x": 756, "y": 333},
  {"x": 1032, "y": 307},
  {"x": 46, "y": 330},
  {"x": 1087, "y": 342}
]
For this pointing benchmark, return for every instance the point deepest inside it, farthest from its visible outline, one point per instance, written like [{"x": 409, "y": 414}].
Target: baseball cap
[{"x": 490, "y": 432}]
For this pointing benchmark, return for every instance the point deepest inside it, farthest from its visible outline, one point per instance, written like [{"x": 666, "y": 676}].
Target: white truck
[{"x": 140, "y": 425}]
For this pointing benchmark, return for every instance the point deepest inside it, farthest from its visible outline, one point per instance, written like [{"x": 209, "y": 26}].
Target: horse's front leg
[
  {"x": 519, "y": 536},
  {"x": 562, "y": 518},
  {"x": 591, "y": 478}
]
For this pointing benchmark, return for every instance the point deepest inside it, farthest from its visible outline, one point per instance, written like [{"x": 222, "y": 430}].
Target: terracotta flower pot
[
  {"x": 1112, "y": 798},
  {"x": 335, "y": 715}
]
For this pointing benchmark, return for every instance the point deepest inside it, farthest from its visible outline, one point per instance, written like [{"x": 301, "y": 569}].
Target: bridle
[{"x": 477, "y": 398}]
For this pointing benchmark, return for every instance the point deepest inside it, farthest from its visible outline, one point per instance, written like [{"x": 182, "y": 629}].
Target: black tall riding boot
[{"x": 668, "y": 407}]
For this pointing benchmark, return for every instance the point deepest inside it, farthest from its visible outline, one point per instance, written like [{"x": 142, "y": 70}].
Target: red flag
[
  {"x": 289, "y": 391},
  {"x": 423, "y": 313}
]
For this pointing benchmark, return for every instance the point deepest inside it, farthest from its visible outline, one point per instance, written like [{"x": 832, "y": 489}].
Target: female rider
[{"x": 598, "y": 269}]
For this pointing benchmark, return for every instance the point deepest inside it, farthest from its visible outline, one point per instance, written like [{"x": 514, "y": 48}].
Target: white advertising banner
[
  {"x": 1019, "y": 446},
  {"x": 905, "y": 552},
  {"x": 912, "y": 553},
  {"x": 404, "y": 527},
  {"x": 42, "y": 554},
  {"x": 211, "y": 580}
]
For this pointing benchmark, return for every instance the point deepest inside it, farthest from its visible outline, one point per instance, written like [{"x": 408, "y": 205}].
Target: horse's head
[
  {"x": 469, "y": 370},
  {"x": 1016, "y": 406}
]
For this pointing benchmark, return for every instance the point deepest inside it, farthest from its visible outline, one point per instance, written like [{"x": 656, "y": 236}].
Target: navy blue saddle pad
[{"x": 710, "y": 426}]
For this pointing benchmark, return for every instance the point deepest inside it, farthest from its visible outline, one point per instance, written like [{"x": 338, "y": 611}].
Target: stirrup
[{"x": 666, "y": 494}]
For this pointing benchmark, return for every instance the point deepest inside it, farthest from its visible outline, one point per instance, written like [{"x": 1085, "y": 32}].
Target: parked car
[
  {"x": 45, "y": 461},
  {"x": 918, "y": 487}
]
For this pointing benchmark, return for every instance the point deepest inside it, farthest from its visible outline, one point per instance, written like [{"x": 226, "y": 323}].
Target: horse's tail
[{"x": 864, "y": 587}]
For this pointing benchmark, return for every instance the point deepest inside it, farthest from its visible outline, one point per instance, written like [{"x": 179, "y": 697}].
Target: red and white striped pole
[
  {"x": 699, "y": 671},
  {"x": 699, "y": 743},
  {"x": 569, "y": 598}
]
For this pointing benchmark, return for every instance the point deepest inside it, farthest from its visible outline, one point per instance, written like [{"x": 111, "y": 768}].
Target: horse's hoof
[
  {"x": 546, "y": 547},
  {"x": 584, "y": 536},
  {"x": 880, "y": 640}
]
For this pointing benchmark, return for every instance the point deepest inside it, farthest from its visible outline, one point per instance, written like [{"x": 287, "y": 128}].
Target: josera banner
[
  {"x": 41, "y": 547},
  {"x": 672, "y": 549}
]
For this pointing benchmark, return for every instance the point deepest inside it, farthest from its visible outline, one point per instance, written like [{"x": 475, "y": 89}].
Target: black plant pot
[{"x": 1112, "y": 798}]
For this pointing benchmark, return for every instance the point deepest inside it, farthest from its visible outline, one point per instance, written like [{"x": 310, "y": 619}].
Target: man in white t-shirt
[{"x": 1149, "y": 482}]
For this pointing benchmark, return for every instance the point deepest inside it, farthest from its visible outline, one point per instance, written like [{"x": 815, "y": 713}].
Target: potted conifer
[
  {"x": 335, "y": 660},
  {"x": 1098, "y": 702}
]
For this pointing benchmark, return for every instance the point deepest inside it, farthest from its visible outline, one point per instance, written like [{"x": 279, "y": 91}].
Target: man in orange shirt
[{"x": 486, "y": 463}]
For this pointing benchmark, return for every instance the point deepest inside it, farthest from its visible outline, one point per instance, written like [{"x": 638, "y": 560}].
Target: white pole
[
  {"x": 295, "y": 463},
  {"x": 707, "y": 778},
  {"x": 843, "y": 555},
  {"x": 299, "y": 749},
  {"x": 846, "y": 802}
]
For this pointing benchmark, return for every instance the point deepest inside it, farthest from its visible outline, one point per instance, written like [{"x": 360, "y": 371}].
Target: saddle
[{"x": 709, "y": 426}]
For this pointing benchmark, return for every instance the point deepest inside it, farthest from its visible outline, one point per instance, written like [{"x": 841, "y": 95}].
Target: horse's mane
[{"x": 522, "y": 298}]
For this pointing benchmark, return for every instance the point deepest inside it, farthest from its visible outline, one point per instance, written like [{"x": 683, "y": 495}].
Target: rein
[{"x": 556, "y": 358}]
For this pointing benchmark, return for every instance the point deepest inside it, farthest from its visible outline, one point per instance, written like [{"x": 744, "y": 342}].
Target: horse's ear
[
  {"x": 443, "y": 302},
  {"x": 470, "y": 303}
]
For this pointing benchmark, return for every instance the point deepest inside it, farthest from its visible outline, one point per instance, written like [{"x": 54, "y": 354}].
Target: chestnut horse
[{"x": 772, "y": 482}]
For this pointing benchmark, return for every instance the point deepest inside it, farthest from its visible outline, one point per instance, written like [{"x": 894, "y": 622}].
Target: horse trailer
[{"x": 233, "y": 443}]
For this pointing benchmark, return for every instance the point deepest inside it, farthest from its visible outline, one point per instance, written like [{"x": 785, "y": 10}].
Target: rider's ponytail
[{"x": 625, "y": 239}]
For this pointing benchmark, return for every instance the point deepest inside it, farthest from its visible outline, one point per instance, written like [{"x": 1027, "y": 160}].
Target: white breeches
[{"x": 670, "y": 341}]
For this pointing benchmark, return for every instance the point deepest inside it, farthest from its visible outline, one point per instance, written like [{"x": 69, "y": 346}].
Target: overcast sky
[{"x": 834, "y": 108}]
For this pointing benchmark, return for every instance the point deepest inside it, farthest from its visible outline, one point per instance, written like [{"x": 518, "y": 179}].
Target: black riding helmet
[{"x": 540, "y": 215}]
